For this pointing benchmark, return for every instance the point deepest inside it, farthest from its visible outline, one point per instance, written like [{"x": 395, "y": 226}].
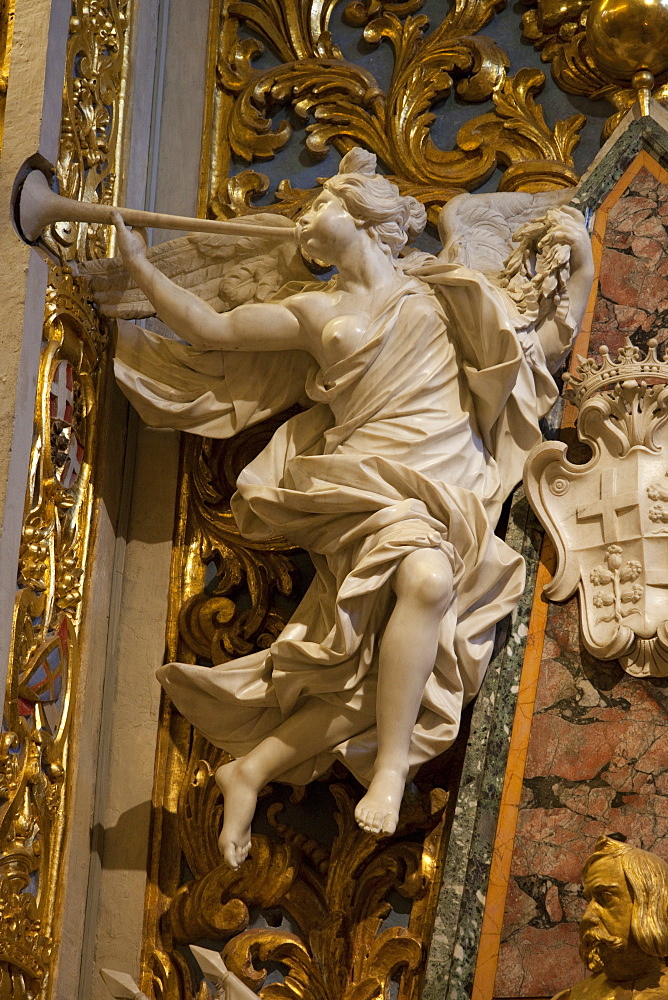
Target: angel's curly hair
[{"x": 395, "y": 219}]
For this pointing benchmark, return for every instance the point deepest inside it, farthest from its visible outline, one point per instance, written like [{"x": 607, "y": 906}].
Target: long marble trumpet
[{"x": 37, "y": 206}]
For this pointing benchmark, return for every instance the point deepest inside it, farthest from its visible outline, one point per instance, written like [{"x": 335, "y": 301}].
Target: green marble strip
[
  {"x": 644, "y": 133},
  {"x": 452, "y": 957}
]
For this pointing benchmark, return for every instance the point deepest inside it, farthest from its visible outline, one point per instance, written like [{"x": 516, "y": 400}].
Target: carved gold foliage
[
  {"x": 334, "y": 899},
  {"x": 212, "y": 623},
  {"x": 557, "y": 30},
  {"x": 6, "y": 30},
  {"x": 35, "y": 744},
  {"x": 524, "y": 144},
  {"x": 342, "y": 104},
  {"x": 93, "y": 108},
  {"x": 36, "y": 741}
]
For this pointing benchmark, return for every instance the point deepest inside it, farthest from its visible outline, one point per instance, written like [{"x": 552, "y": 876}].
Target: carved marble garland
[{"x": 608, "y": 519}]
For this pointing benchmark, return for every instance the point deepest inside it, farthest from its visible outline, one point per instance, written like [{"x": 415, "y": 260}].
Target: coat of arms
[{"x": 608, "y": 519}]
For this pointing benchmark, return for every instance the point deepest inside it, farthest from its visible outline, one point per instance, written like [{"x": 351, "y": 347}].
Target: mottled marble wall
[
  {"x": 633, "y": 290},
  {"x": 597, "y": 759}
]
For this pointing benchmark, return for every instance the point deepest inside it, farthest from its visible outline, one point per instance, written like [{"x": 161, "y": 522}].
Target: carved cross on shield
[{"x": 608, "y": 521}]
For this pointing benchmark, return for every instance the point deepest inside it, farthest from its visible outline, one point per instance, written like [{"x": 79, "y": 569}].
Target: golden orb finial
[{"x": 628, "y": 40}]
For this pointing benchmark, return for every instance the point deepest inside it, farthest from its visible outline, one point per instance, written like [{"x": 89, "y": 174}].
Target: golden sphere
[{"x": 625, "y": 36}]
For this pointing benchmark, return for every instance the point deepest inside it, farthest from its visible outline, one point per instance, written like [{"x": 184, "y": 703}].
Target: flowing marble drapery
[{"x": 413, "y": 441}]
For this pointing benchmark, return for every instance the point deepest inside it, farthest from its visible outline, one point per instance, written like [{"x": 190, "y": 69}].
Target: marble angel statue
[{"x": 422, "y": 381}]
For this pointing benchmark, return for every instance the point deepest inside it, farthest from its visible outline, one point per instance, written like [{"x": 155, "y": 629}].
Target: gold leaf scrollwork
[
  {"x": 536, "y": 157},
  {"x": 34, "y": 748},
  {"x": 360, "y": 12},
  {"x": 93, "y": 109},
  {"x": 557, "y": 30},
  {"x": 212, "y": 623},
  {"x": 40, "y": 699},
  {"x": 342, "y": 104}
]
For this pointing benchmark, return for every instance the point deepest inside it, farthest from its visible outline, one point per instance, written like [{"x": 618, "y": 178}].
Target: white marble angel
[{"x": 422, "y": 381}]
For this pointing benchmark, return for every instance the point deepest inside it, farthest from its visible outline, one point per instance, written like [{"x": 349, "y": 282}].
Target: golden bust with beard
[{"x": 624, "y": 931}]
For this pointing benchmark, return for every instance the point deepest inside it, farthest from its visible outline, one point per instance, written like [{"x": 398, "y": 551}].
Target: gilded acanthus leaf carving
[
  {"x": 335, "y": 898},
  {"x": 342, "y": 104},
  {"x": 520, "y": 136},
  {"x": 360, "y": 12},
  {"x": 557, "y": 30},
  {"x": 42, "y": 685},
  {"x": 211, "y": 623},
  {"x": 42, "y": 682},
  {"x": 93, "y": 111}
]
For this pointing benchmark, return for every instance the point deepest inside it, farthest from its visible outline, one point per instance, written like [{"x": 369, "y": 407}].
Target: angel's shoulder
[{"x": 309, "y": 307}]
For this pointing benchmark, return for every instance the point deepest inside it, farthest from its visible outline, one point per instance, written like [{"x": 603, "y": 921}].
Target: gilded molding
[
  {"x": 38, "y": 744},
  {"x": 91, "y": 127},
  {"x": 558, "y": 31}
]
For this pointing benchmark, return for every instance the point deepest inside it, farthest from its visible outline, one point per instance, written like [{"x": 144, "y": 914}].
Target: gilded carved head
[{"x": 627, "y": 907}]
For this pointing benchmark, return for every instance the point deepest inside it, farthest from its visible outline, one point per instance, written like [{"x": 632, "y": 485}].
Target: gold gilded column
[
  {"x": 6, "y": 31},
  {"x": 38, "y": 744}
]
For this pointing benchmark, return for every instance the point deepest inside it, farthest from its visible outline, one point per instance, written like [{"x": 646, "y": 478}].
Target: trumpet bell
[
  {"x": 38, "y": 206},
  {"x": 32, "y": 180},
  {"x": 35, "y": 206}
]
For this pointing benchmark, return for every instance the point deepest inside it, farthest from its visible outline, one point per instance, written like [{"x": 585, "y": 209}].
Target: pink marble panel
[{"x": 598, "y": 753}]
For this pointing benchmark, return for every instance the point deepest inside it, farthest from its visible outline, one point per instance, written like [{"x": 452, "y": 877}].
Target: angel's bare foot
[
  {"x": 378, "y": 811},
  {"x": 240, "y": 794}
]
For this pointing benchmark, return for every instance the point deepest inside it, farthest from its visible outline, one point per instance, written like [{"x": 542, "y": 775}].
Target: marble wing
[
  {"x": 487, "y": 232},
  {"x": 225, "y": 270},
  {"x": 517, "y": 241}
]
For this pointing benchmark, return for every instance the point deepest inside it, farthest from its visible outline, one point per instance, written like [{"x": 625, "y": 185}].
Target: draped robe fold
[{"x": 411, "y": 442}]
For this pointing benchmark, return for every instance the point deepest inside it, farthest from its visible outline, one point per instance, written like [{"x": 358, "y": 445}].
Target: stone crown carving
[{"x": 629, "y": 371}]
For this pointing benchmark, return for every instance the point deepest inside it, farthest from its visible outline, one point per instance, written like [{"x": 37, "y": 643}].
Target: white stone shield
[{"x": 608, "y": 521}]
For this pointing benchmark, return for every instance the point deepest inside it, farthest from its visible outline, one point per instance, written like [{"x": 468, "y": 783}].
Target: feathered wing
[
  {"x": 224, "y": 269},
  {"x": 521, "y": 243},
  {"x": 485, "y": 231}
]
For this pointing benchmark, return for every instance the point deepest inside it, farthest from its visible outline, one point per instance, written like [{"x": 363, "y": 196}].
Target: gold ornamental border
[{"x": 38, "y": 743}]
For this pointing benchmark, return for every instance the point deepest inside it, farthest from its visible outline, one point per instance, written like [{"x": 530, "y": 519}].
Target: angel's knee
[{"x": 425, "y": 579}]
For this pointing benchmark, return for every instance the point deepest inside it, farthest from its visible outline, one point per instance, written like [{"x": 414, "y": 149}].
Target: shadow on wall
[{"x": 124, "y": 846}]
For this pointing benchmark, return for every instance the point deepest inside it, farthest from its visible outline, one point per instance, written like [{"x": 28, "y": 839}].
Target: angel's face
[{"x": 328, "y": 229}]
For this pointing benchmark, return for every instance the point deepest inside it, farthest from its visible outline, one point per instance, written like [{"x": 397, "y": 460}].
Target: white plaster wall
[{"x": 161, "y": 173}]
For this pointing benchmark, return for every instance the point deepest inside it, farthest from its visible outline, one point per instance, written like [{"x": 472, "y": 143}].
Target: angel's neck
[{"x": 365, "y": 270}]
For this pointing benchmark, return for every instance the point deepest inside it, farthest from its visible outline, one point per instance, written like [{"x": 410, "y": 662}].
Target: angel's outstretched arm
[
  {"x": 556, "y": 336},
  {"x": 250, "y": 327}
]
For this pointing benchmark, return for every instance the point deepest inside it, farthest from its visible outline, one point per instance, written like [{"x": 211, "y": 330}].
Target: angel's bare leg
[
  {"x": 315, "y": 727},
  {"x": 423, "y": 587}
]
